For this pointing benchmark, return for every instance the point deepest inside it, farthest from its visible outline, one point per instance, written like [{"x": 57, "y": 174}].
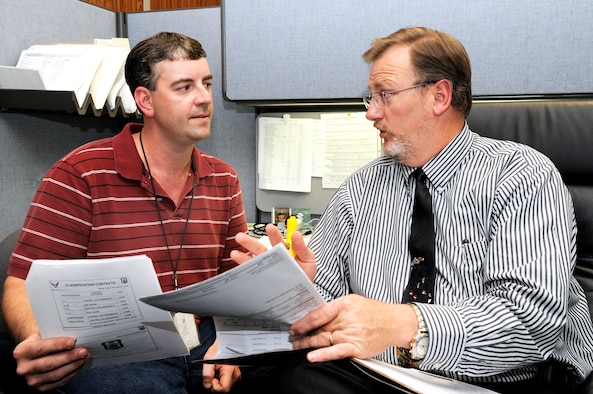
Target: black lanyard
[{"x": 158, "y": 209}]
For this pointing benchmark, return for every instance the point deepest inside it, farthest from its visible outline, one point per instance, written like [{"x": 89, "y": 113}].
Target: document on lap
[
  {"x": 96, "y": 301},
  {"x": 253, "y": 304},
  {"x": 415, "y": 381}
]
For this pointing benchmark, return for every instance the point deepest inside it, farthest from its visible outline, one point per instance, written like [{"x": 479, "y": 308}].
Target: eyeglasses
[{"x": 367, "y": 98}]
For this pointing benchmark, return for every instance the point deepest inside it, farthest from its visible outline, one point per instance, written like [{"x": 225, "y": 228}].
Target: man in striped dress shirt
[
  {"x": 506, "y": 309},
  {"x": 147, "y": 190}
]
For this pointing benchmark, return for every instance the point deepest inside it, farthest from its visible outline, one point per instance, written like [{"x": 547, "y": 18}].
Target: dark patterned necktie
[{"x": 421, "y": 245}]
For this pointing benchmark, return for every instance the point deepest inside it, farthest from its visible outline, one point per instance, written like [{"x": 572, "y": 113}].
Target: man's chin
[{"x": 392, "y": 150}]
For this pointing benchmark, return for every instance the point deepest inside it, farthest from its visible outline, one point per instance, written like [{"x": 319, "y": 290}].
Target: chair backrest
[
  {"x": 562, "y": 129},
  {"x": 6, "y": 247}
]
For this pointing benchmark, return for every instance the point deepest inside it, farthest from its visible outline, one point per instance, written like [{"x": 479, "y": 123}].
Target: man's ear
[
  {"x": 443, "y": 93},
  {"x": 143, "y": 98}
]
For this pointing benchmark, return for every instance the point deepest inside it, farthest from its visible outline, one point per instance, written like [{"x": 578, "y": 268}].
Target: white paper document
[
  {"x": 96, "y": 301},
  {"x": 254, "y": 303},
  {"x": 91, "y": 71},
  {"x": 351, "y": 141},
  {"x": 65, "y": 67},
  {"x": 421, "y": 382},
  {"x": 21, "y": 78},
  {"x": 284, "y": 149},
  {"x": 291, "y": 150}
]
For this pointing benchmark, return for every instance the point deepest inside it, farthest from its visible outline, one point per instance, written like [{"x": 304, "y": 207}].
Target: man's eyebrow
[
  {"x": 190, "y": 80},
  {"x": 182, "y": 80}
]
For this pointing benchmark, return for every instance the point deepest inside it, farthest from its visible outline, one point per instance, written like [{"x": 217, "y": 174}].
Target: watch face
[{"x": 420, "y": 347}]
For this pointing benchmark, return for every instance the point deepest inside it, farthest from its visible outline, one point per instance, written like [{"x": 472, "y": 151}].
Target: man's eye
[{"x": 208, "y": 85}]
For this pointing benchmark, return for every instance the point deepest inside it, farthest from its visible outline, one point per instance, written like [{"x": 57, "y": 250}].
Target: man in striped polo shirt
[
  {"x": 505, "y": 311},
  {"x": 147, "y": 190}
]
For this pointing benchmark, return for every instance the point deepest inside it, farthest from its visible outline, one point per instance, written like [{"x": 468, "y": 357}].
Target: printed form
[
  {"x": 96, "y": 301},
  {"x": 253, "y": 304},
  {"x": 261, "y": 299}
]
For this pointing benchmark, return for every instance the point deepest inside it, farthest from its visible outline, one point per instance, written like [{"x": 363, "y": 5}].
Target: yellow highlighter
[{"x": 291, "y": 227}]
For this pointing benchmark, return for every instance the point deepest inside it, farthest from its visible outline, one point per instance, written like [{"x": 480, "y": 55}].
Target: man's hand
[
  {"x": 304, "y": 255},
  {"x": 49, "y": 363},
  {"x": 354, "y": 326},
  {"x": 359, "y": 327},
  {"x": 219, "y": 378}
]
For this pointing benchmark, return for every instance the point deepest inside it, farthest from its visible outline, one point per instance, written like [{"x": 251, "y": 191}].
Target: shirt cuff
[{"x": 447, "y": 336}]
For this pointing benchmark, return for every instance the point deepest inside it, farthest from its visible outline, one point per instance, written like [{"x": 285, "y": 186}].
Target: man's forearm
[{"x": 18, "y": 315}]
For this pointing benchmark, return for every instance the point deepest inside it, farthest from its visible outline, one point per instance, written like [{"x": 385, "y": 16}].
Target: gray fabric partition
[
  {"x": 311, "y": 49},
  {"x": 233, "y": 126},
  {"x": 31, "y": 142}
]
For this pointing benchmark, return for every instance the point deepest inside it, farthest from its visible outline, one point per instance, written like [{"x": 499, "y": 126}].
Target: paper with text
[
  {"x": 258, "y": 300},
  {"x": 291, "y": 150},
  {"x": 284, "y": 150},
  {"x": 351, "y": 141},
  {"x": 240, "y": 337},
  {"x": 91, "y": 71},
  {"x": 65, "y": 67},
  {"x": 96, "y": 302}
]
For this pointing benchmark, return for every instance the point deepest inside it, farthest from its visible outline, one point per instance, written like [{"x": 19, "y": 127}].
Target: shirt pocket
[{"x": 463, "y": 271}]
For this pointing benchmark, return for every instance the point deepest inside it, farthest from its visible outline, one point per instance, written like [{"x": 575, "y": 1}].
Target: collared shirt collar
[
  {"x": 441, "y": 168},
  {"x": 129, "y": 164}
]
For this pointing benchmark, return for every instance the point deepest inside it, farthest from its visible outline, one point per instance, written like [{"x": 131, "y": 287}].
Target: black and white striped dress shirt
[{"x": 505, "y": 297}]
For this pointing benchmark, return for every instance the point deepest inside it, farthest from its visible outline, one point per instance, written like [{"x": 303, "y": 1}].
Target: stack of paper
[{"x": 93, "y": 72}]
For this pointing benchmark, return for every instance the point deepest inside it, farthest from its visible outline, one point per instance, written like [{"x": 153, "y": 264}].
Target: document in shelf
[
  {"x": 253, "y": 304},
  {"x": 96, "y": 301},
  {"x": 106, "y": 77},
  {"x": 93, "y": 72},
  {"x": 65, "y": 67},
  {"x": 21, "y": 78},
  {"x": 416, "y": 381}
]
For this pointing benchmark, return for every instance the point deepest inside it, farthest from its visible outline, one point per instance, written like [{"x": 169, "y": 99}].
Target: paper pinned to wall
[
  {"x": 351, "y": 141},
  {"x": 291, "y": 150},
  {"x": 285, "y": 154}
]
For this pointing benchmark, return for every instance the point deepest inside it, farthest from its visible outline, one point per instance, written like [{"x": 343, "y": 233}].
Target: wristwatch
[{"x": 419, "y": 344}]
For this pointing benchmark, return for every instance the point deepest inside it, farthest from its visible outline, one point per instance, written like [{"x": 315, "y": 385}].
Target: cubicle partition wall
[
  {"x": 281, "y": 55},
  {"x": 265, "y": 53},
  {"x": 311, "y": 50},
  {"x": 31, "y": 141}
]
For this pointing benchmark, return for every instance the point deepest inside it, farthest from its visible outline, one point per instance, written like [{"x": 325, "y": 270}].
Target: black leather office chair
[
  {"x": 10, "y": 382},
  {"x": 562, "y": 129}
]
